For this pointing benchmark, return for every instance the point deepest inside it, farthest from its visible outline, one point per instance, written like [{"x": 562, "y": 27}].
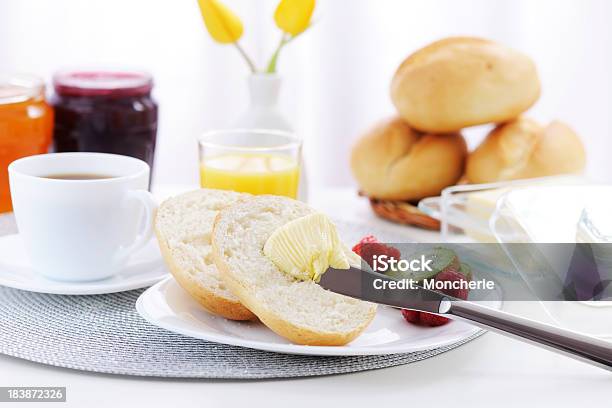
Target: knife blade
[{"x": 371, "y": 286}]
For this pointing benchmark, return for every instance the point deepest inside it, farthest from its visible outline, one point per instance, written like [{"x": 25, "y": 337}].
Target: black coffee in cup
[{"x": 78, "y": 176}]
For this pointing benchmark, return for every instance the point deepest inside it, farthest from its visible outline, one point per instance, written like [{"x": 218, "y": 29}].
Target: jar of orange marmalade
[{"x": 26, "y": 125}]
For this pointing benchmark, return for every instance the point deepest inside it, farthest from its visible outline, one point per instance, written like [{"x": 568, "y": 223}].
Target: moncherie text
[{"x": 432, "y": 284}]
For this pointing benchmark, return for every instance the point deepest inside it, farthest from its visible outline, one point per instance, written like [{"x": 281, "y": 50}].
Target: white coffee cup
[{"x": 84, "y": 229}]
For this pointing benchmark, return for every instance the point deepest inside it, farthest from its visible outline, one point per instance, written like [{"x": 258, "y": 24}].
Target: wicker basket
[{"x": 403, "y": 212}]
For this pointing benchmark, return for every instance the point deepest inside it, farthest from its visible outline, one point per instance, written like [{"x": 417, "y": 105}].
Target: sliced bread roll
[
  {"x": 183, "y": 226},
  {"x": 301, "y": 311}
]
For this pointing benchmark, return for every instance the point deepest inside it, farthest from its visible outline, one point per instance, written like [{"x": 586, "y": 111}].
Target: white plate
[
  {"x": 144, "y": 268},
  {"x": 168, "y": 306}
]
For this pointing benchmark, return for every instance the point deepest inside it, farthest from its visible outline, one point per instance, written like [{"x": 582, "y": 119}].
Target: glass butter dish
[
  {"x": 464, "y": 210},
  {"x": 563, "y": 214}
]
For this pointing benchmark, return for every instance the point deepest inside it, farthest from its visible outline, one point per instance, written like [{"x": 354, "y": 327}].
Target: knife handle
[{"x": 572, "y": 344}]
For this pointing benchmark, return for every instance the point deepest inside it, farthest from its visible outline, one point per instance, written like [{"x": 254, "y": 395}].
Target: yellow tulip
[
  {"x": 222, "y": 24},
  {"x": 293, "y": 16}
]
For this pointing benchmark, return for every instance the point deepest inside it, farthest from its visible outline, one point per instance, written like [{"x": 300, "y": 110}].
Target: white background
[{"x": 336, "y": 76}]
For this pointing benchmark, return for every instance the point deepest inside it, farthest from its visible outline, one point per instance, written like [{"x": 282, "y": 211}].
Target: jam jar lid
[
  {"x": 102, "y": 83},
  {"x": 15, "y": 88}
]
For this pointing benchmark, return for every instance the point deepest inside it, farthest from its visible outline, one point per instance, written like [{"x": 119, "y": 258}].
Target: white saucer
[
  {"x": 168, "y": 306},
  {"x": 144, "y": 268}
]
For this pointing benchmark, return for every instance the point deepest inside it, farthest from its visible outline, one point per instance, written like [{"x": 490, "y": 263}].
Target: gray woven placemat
[{"x": 104, "y": 333}]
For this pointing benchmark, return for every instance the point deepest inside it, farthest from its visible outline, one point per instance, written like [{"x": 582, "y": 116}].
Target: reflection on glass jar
[
  {"x": 107, "y": 112},
  {"x": 26, "y": 125}
]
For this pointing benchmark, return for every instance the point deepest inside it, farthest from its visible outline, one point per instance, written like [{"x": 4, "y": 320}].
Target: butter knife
[{"x": 366, "y": 285}]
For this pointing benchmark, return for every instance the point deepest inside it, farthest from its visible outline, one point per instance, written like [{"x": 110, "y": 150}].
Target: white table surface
[{"x": 489, "y": 371}]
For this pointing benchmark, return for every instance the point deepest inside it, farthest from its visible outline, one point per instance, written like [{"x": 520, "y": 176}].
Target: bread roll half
[
  {"x": 522, "y": 149},
  {"x": 301, "y": 311},
  {"x": 461, "y": 81},
  {"x": 395, "y": 162},
  {"x": 183, "y": 226}
]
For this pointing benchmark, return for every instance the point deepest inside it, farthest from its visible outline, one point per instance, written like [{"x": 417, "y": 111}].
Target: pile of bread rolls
[{"x": 449, "y": 85}]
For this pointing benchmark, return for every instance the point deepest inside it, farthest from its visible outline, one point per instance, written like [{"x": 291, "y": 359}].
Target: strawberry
[
  {"x": 369, "y": 246},
  {"x": 412, "y": 316},
  {"x": 423, "y": 319},
  {"x": 368, "y": 239},
  {"x": 453, "y": 275},
  {"x": 449, "y": 274}
]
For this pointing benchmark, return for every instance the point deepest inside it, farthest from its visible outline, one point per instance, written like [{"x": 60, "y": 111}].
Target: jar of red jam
[{"x": 105, "y": 111}]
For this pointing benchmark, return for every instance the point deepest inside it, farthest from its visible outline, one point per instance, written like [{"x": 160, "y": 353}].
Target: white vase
[{"x": 263, "y": 112}]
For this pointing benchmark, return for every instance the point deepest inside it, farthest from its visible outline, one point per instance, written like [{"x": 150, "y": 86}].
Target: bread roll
[
  {"x": 524, "y": 149},
  {"x": 301, "y": 311},
  {"x": 460, "y": 81},
  {"x": 395, "y": 162},
  {"x": 183, "y": 226}
]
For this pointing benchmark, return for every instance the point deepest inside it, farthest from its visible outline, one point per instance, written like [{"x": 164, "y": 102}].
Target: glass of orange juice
[{"x": 255, "y": 161}]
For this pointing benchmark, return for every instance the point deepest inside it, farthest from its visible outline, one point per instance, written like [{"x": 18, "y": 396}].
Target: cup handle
[{"x": 146, "y": 227}]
